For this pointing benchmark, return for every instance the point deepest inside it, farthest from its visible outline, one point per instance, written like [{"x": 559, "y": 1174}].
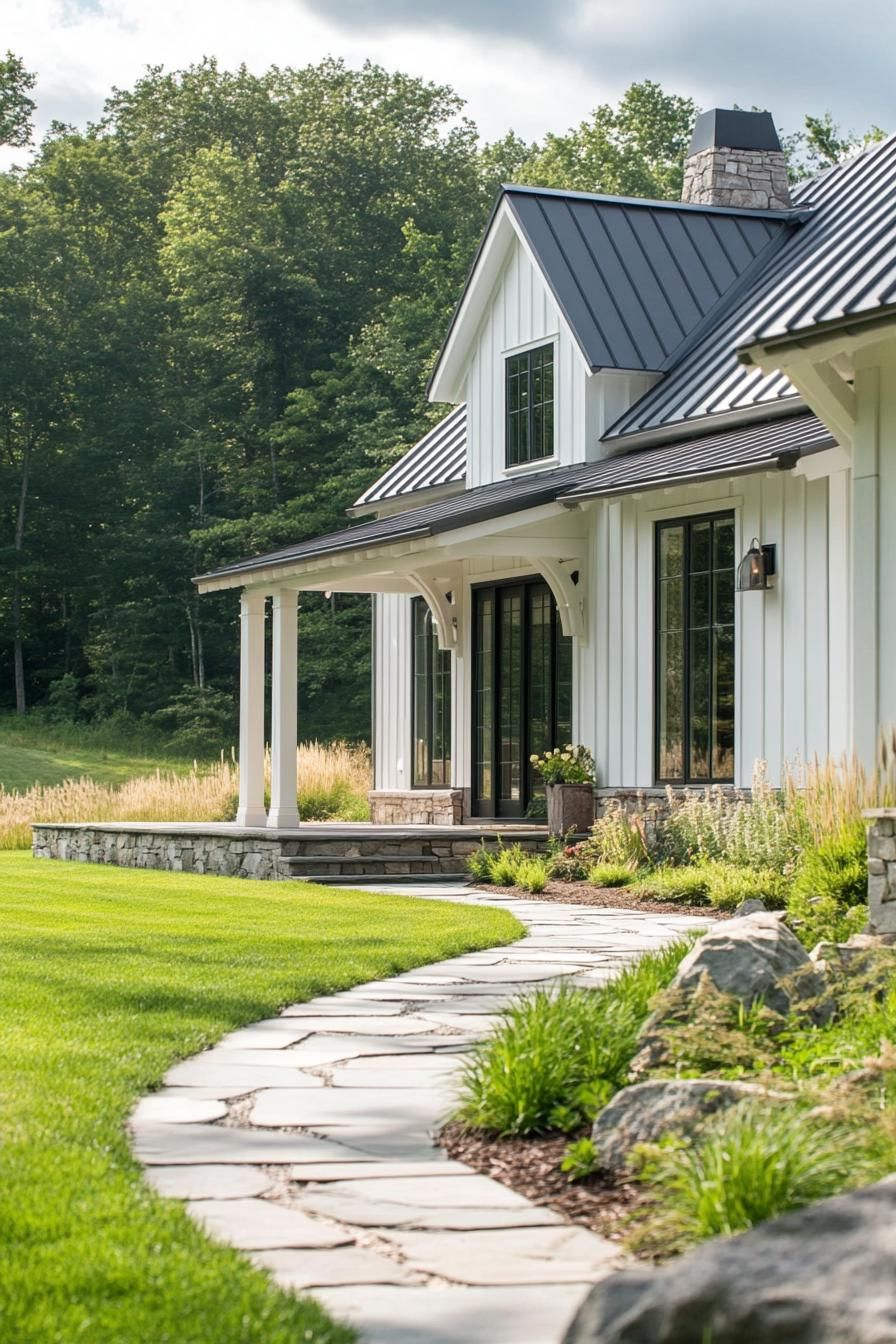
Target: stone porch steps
[{"x": 327, "y": 868}]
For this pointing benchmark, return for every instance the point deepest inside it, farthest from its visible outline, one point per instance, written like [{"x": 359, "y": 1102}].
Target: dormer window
[{"x": 529, "y": 391}]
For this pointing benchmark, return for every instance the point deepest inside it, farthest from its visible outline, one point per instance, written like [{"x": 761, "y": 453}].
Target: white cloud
[{"x": 542, "y": 70}]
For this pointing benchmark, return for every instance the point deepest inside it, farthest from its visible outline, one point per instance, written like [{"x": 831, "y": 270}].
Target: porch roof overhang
[{"x": 515, "y": 517}]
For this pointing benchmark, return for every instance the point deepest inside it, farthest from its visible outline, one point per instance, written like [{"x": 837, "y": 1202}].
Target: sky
[{"x": 532, "y": 65}]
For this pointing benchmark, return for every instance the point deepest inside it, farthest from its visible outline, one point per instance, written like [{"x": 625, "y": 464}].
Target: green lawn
[
  {"x": 21, "y": 767},
  {"x": 35, "y": 751},
  {"x": 107, "y": 977}
]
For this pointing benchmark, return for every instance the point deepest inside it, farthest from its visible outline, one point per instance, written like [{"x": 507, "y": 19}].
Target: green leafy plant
[
  {"x": 749, "y": 1163},
  {"x": 758, "y": 829},
  {"x": 565, "y": 1047},
  {"x": 828, "y": 899},
  {"x": 580, "y": 1160},
  {"x": 565, "y": 765},
  {"x": 510, "y": 866},
  {"x": 714, "y": 882},
  {"x": 610, "y": 875}
]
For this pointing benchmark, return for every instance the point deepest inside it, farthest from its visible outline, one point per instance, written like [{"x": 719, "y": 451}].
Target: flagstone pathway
[{"x": 307, "y": 1142}]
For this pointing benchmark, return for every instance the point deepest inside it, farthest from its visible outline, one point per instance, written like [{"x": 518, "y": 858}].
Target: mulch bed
[
  {"x": 618, "y": 898},
  {"x": 532, "y": 1168}
]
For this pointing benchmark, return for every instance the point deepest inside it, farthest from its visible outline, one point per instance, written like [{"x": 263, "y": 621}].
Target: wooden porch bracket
[
  {"x": 442, "y": 596},
  {"x": 566, "y": 580}
]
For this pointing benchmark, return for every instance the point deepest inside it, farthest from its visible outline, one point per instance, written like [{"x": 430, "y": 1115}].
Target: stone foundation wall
[
  {"x": 416, "y": 807},
  {"x": 220, "y": 855},
  {"x": 882, "y": 870}
]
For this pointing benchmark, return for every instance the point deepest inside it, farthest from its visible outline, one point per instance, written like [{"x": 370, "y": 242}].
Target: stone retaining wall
[
  {"x": 221, "y": 855},
  {"x": 355, "y": 852},
  {"x": 882, "y": 870}
]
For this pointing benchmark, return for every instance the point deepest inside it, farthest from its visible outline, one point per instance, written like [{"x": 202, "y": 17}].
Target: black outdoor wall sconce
[{"x": 756, "y": 568}]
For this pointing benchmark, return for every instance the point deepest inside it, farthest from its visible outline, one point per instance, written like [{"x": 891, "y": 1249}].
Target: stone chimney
[{"x": 735, "y": 158}]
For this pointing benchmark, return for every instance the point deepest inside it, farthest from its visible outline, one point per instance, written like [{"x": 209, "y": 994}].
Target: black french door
[{"x": 522, "y": 693}]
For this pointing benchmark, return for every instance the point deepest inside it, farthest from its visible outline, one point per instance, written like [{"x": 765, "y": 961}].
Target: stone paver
[{"x": 307, "y": 1140}]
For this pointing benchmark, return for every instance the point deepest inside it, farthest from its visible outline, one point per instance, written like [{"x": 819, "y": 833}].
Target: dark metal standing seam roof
[
  {"x": 818, "y": 273},
  {"x": 439, "y": 458},
  {"x": 735, "y": 451},
  {"x": 634, "y": 278}
]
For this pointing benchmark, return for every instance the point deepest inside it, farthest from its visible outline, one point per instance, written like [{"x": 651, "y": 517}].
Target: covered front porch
[{"x": 469, "y": 679}]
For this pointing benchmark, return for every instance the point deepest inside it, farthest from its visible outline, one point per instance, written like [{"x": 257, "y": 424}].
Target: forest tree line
[{"x": 219, "y": 305}]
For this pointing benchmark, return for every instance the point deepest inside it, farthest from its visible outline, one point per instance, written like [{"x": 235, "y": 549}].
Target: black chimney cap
[{"x": 723, "y": 129}]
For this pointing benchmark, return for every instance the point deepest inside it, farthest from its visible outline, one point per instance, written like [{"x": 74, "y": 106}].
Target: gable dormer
[{"x": 575, "y": 306}]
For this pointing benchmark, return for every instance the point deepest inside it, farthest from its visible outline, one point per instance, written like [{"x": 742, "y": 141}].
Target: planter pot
[{"x": 570, "y": 807}]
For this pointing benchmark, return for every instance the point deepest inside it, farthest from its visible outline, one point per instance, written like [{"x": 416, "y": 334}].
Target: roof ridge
[{"x": 652, "y": 203}]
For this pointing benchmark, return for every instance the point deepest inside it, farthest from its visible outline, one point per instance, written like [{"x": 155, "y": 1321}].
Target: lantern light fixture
[{"x": 756, "y": 568}]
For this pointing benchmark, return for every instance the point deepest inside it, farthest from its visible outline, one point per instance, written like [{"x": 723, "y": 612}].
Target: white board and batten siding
[
  {"x": 522, "y": 314},
  {"x": 791, "y": 687}
]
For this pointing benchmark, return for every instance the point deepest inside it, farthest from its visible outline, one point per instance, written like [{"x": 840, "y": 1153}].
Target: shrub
[
  {"x": 828, "y": 899},
  {"x": 676, "y": 884},
  {"x": 723, "y": 885},
  {"x": 750, "y": 1163},
  {"x": 510, "y": 866},
  {"x": 759, "y": 830},
  {"x": 618, "y": 837},
  {"x": 479, "y": 863},
  {"x": 610, "y": 875},
  {"x": 557, "y": 1055}
]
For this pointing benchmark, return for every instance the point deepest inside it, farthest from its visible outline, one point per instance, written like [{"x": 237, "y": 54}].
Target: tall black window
[
  {"x": 695, "y": 650},
  {"x": 431, "y": 707},
  {"x": 522, "y": 693},
  {"x": 530, "y": 405}
]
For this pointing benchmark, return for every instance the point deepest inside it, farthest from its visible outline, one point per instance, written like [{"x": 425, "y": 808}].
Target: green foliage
[
  {"x": 134, "y": 971},
  {"x": 617, "y": 837},
  {"x": 557, "y": 1055},
  {"x": 565, "y": 765},
  {"x": 713, "y": 882},
  {"x": 750, "y": 1163},
  {"x": 635, "y": 149},
  {"x": 580, "y": 1160},
  {"x": 510, "y": 866},
  {"x": 16, "y": 106},
  {"x": 829, "y": 896},
  {"x": 610, "y": 875},
  {"x": 760, "y": 830},
  {"x": 198, "y": 721}
]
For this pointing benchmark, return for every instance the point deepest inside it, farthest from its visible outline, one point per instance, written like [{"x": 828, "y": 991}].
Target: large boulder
[
  {"x": 824, "y": 1275},
  {"x": 645, "y": 1112},
  {"x": 753, "y": 959}
]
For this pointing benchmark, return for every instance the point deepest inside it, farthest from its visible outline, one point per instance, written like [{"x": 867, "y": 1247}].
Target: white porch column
[
  {"x": 284, "y": 725},
  {"x": 251, "y": 811}
]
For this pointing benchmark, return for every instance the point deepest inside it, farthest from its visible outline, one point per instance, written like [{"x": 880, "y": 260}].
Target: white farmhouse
[{"x": 643, "y": 396}]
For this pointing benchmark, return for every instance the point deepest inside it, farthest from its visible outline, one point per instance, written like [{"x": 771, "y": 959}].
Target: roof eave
[{"x": 864, "y": 326}]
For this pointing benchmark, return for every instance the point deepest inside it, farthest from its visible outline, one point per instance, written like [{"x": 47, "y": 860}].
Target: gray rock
[
  {"x": 645, "y": 1112},
  {"x": 752, "y": 906},
  {"x": 823, "y": 1275},
  {"x": 753, "y": 959}
]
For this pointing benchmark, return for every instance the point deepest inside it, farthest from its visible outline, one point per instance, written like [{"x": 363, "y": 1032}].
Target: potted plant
[{"x": 568, "y": 774}]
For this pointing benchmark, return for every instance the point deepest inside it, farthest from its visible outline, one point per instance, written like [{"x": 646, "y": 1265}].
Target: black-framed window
[
  {"x": 529, "y": 398},
  {"x": 695, "y": 560},
  {"x": 430, "y": 702}
]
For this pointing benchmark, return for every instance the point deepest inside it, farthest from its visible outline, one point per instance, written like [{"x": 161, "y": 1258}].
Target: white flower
[
  {"x": 566, "y": 756},
  {"x": 570, "y": 747},
  {"x": 533, "y": 760}
]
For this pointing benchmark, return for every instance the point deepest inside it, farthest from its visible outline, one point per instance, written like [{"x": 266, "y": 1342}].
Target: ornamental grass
[{"x": 333, "y": 784}]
